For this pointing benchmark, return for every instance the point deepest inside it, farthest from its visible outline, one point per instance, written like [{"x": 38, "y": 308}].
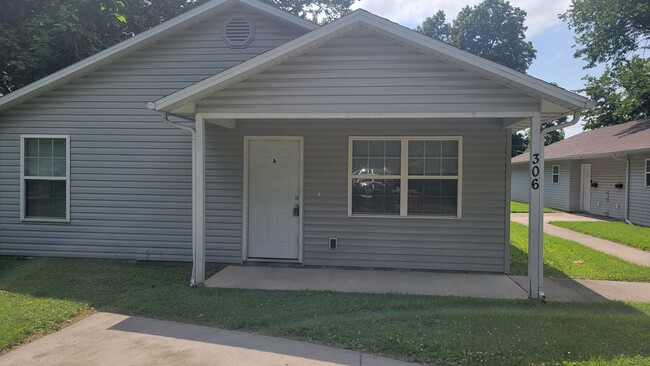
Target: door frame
[
  {"x": 582, "y": 187},
  {"x": 247, "y": 141}
]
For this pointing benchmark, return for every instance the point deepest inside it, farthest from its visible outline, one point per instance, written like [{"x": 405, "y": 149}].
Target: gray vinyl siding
[
  {"x": 574, "y": 186},
  {"x": 363, "y": 72},
  {"x": 474, "y": 243},
  {"x": 639, "y": 196},
  {"x": 606, "y": 200},
  {"x": 130, "y": 176},
  {"x": 556, "y": 195}
]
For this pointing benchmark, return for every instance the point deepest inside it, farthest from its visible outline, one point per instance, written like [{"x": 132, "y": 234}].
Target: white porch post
[
  {"x": 536, "y": 211},
  {"x": 198, "y": 202}
]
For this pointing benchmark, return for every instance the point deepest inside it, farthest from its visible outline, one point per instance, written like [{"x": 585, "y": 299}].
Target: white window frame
[
  {"x": 404, "y": 176},
  {"x": 23, "y": 179},
  {"x": 647, "y": 173},
  {"x": 554, "y": 174}
]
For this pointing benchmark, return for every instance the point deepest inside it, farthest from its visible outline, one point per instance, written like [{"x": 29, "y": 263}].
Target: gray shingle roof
[{"x": 626, "y": 137}]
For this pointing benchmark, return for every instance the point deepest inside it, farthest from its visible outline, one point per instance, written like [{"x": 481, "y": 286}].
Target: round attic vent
[{"x": 238, "y": 31}]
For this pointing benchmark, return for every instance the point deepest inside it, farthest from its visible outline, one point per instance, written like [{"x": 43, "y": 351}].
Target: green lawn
[
  {"x": 520, "y": 207},
  {"x": 430, "y": 330},
  {"x": 566, "y": 258},
  {"x": 620, "y": 232}
]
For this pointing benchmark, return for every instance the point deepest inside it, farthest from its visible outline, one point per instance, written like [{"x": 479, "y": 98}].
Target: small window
[
  {"x": 556, "y": 174},
  {"x": 397, "y": 176},
  {"x": 647, "y": 173},
  {"x": 45, "y": 178}
]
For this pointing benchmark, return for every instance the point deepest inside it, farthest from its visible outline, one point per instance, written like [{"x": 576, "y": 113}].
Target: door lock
[{"x": 296, "y": 210}]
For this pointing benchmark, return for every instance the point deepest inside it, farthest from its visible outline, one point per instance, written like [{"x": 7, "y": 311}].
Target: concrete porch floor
[{"x": 493, "y": 286}]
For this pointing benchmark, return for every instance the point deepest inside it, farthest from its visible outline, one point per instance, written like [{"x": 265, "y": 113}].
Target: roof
[
  {"x": 140, "y": 41},
  {"x": 568, "y": 102},
  {"x": 618, "y": 139}
]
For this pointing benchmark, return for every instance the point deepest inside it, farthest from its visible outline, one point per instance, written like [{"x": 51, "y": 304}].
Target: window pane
[
  {"x": 376, "y": 165},
  {"x": 376, "y": 149},
  {"x": 31, "y": 147},
  {"x": 359, "y": 166},
  {"x": 433, "y": 149},
  {"x": 432, "y": 166},
  {"x": 58, "y": 149},
  {"x": 393, "y": 148},
  {"x": 449, "y": 166},
  {"x": 31, "y": 166},
  {"x": 44, "y": 167},
  {"x": 393, "y": 166},
  {"x": 376, "y": 196},
  {"x": 450, "y": 149},
  {"x": 647, "y": 180},
  {"x": 359, "y": 148},
  {"x": 45, "y": 148},
  {"x": 45, "y": 198},
  {"x": 416, "y": 149},
  {"x": 416, "y": 166},
  {"x": 58, "y": 167},
  {"x": 432, "y": 197},
  {"x": 556, "y": 169},
  {"x": 556, "y": 179}
]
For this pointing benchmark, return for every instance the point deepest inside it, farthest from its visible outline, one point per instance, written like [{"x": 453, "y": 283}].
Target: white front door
[
  {"x": 274, "y": 198},
  {"x": 585, "y": 187}
]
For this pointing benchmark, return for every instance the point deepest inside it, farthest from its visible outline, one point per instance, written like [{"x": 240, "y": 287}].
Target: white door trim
[
  {"x": 583, "y": 204},
  {"x": 247, "y": 140}
]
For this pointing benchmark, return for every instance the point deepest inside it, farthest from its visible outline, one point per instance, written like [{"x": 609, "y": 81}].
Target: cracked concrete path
[
  {"x": 112, "y": 339},
  {"x": 624, "y": 252}
]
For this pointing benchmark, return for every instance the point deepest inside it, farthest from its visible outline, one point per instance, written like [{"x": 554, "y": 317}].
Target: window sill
[
  {"x": 405, "y": 217},
  {"x": 45, "y": 220}
]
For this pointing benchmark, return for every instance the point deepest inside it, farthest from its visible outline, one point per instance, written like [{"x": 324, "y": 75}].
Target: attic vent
[{"x": 238, "y": 31}]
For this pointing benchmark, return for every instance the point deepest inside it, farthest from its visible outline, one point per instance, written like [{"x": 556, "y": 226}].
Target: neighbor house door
[
  {"x": 585, "y": 187},
  {"x": 274, "y": 198}
]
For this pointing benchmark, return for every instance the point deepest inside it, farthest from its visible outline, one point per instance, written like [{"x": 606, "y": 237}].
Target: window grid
[
  {"x": 647, "y": 173},
  {"x": 556, "y": 174}
]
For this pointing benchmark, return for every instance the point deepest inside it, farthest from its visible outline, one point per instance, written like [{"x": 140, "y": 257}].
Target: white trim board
[
  {"x": 140, "y": 41},
  {"x": 355, "y": 20},
  {"x": 247, "y": 140}
]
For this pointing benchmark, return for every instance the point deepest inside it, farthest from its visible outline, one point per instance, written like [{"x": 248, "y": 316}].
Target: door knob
[{"x": 296, "y": 210}]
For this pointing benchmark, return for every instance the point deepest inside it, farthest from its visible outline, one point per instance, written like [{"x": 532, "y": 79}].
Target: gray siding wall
[
  {"x": 130, "y": 176},
  {"x": 639, "y": 199},
  {"x": 556, "y": 195},
  {"x": 364, "y": 72},
  {"x": 605, "y": 199},
  {"x": 574, "y": 186},
  {"x": 476, "y": 242}
]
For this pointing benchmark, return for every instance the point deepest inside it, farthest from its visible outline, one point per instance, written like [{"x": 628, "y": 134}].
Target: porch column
[
  {"x": 198, "y": 203},
  {"x": 536, "y": 211}
]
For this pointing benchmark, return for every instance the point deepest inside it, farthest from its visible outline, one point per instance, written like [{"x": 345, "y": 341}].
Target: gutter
[
  {"x": 576, "y": 118},
  {"x": 627, "y": 187}
]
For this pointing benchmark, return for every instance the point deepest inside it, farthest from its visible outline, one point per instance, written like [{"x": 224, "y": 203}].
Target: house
[
  {"x": 603, "y": 172},
  {"x": 237, "y": 133}
]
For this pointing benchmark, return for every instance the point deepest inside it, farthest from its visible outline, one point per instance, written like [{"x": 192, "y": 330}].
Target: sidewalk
[
  {"x": 112, "y": 339},
  {"x": 625, "y": 252}
]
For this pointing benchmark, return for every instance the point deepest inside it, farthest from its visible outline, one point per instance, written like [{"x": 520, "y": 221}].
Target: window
[
  {"x": 45, "y": 178},
  {"x": 556, "y": 174},
  {"x": 399, "y": 176},
  {"x": 647, "y": 172}
]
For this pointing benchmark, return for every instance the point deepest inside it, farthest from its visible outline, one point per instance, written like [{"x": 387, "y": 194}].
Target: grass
[
  {"x": 566, "y": 258},
  {"x": 520, "y": 207},
  {"x": 426, "y": 329},
  {"x": 619, "y": 232}
]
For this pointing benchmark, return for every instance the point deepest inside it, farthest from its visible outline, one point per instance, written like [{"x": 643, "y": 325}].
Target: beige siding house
[{"x": 237, "y": 133}]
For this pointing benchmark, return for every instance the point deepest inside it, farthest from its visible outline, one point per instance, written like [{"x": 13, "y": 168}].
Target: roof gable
[
  {"x": 623, "y": 138},
  {"x": 490, "y": 70},
  {"x": 140, "y": 41}
]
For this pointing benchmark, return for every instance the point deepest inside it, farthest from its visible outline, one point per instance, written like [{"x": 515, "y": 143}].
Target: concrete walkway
[
  {"x": 423, "y": 283},
  {"x": 111, "y": 339},
  {"x": 625, "y": 252}
]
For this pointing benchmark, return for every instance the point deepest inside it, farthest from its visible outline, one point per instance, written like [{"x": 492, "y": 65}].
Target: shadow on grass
[{"x": 425, "y": 329}]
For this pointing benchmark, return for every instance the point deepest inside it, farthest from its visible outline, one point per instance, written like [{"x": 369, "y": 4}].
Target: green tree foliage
[
  {"x": 621, "y": 94},
  {"x": 493, "y": 29},
  {"x": 39, "y": 37},
  {"x": 607, "y": 31}
]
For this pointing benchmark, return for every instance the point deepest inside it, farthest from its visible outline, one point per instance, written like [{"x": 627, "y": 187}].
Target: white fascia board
[
  {"x": 362, "y": 18},
  {"x": 139, "y": 42}
]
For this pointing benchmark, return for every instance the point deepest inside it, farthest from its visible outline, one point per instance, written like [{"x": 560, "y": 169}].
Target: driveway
[{"x": 112, "y": 339}]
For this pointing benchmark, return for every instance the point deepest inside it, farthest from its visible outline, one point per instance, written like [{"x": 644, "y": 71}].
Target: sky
[{"x": 551, "y": 37}]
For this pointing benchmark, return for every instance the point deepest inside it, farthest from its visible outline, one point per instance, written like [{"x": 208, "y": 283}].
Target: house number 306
[{"x": 535, "y": 171}]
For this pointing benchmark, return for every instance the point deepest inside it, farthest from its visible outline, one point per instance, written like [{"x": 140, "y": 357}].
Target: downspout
[
  {"x": 627, "y": 187},
  {"x": 576, "y": 118},
  {"x": 167, "y": 122}
]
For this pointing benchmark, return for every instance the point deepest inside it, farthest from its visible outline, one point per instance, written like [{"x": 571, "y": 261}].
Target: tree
[
  {"x": 519, "y": 144},
  {"x": 608, "y": 31},
  {"x": 493, "y": 29},
  {"x": 621, "y": 94},
  {"x": 318, "y": 11}
]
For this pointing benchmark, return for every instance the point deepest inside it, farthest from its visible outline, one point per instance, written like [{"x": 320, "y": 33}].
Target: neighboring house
[
  {"x": 604, "y": 172},
  {"x": 357, "y": 144}
]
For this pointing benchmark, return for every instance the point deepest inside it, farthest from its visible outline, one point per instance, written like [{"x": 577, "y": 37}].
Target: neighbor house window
[
  {"x": 556, "y": 174},
  {"x": 647, "y": 172},
  {"x": 405, "y": 176},
  {"x": 45, "y": 178}
]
